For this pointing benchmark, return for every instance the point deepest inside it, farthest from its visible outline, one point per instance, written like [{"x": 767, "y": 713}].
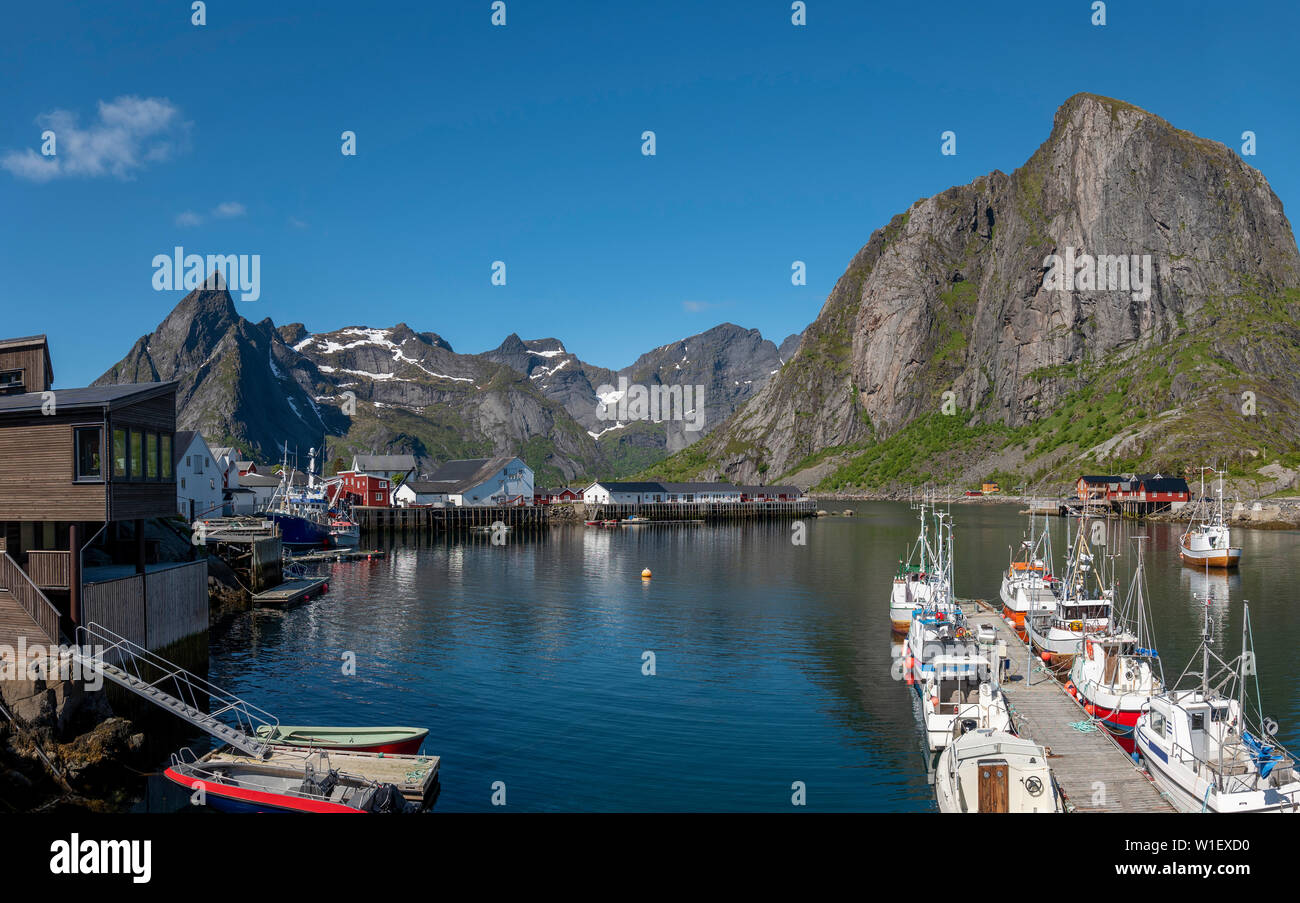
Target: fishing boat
[
  {"x": 994, "y": 771},
  {"x": 1201, "y": 748},
  {"x": 1208, "y": 541},
  {"x": 1027, "y": 583},
  {"x": 1120, "y": 670},
  {"x": 392, "y": 740},
  {"x": 300, "y": 513},
  {"x": 916, "y": 580},
  {"x": 1082, "y": 608},
  {"x": 344, "y": 531},
  {"x": 256, "y": 787},
  {"x": 953, "y": 673}
]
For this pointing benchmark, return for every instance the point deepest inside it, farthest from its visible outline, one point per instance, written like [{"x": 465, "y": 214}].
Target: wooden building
[{"x": 79, "y": 466}]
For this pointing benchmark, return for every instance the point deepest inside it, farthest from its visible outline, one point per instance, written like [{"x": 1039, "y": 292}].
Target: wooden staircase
[{"x": 16, "y": 622}]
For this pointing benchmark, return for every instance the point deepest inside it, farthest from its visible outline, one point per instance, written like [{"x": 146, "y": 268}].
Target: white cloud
[
  {"x": 229, "y": 209},
  {"x": 188, "y": 218},
  {"x": 129, "y": 133},
  {"x": 297, "y": 223},
  {"x": 697, "y": 307}
]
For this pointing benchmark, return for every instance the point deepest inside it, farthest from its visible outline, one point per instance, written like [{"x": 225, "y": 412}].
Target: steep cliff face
[{"x": 964, "y": 294}]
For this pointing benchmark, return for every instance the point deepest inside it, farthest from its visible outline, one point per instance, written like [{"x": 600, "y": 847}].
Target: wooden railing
[
  {"x": 29, "y": 596},
  {"x": 49, "y": 570}
]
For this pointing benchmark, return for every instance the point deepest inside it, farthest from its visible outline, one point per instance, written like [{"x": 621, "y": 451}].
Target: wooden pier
[
  {"x": 291, "y": 592},
  {"x": 332, "y": 555},
  {"x": 686, "y": 512},
  {"x": 438, "y": 520},
  {"x": 1094, "y": 772}
]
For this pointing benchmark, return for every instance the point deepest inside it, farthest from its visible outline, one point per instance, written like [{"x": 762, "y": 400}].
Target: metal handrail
[{"x": 194, "y": 692}]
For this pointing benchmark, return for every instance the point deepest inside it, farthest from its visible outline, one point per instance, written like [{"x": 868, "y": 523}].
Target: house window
[
  {"x": 11, "y": 379},
  {"x": 165, "y": 452},
  {"x": 89, "y": 449},
  {"x": 119, "y": 454},
  {"x": 151, "y": 456},
  {"x": 379, "y": 496},
  {"x": 187, "y": 460},
  {"x": 136, "y": 462},
  {"x": 182, "y": 482}
]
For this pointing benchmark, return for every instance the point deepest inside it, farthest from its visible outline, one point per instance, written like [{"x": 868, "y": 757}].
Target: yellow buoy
[{"x": 645, "y": 574}]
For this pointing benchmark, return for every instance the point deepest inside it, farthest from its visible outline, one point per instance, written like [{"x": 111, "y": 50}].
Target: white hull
[
  {"x": 1014, "y": 768},
  {"x": 1190, "y": 792}
]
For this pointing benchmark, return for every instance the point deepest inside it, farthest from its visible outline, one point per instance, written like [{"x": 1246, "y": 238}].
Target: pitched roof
[
  {"x": 1165, "y": 484},
  {"x": 771, "y": 490},
  {"x": 457, "y": 476},
  {"x": 631, "y": 487},
  {"x": 425, "y": 487},
  {"x": 701, "y": 487},
  {"x": 180, "y": 444},
  {"x": 103, "y": 397},
  {"x": 257, "y": 479},
  {"x": 383, "y": 463},
  {"x": 1102, "y": 479}
]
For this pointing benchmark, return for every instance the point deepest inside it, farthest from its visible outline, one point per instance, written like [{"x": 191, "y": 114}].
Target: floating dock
[
  {"x": 415, "y": 776},
  {"x": 291, "y": 592},
  {"x": 330, "y": 555},
  {"x": 1094, "y": 772}
]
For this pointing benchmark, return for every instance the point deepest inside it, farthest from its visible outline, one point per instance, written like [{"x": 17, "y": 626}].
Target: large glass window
[
  {"x": 151, "y": 456},
  {"x": 165, "y": 452},
  {"x": 136, "y": 462},
  {"x": 119, "y": 454},
  {"x": 89, "y": 449}
]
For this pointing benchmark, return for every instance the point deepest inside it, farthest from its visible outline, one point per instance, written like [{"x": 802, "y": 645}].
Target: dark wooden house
[{"x": 76, "y": 465}]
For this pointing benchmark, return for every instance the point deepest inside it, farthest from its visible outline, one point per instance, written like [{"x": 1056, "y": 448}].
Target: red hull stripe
[{"x": 261, "y": 797}]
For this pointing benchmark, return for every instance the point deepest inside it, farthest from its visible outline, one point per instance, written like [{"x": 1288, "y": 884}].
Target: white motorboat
[
  {"x": 1202, "y": 750},
  {"x": 1208, "y": 540},
  {"x": 1027, "y": 583},
  {"x": 1083, "y": 608},
  {"x": 986, "y": 770}
]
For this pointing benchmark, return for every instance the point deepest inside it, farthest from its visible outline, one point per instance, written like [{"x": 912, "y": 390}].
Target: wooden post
[
  {"x": 74, "y": 574},
  {"x": 139, "y": 546}
]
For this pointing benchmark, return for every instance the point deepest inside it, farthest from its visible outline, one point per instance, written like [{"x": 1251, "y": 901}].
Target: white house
[
  {"x": 483, "y": 481},
  {"x": 198, "y": 480},
  {"x": 262, "y": 486},
  {"x": 612, "y": 493},
  {"x": 420, "y": 493},
  {"x": 701, "y": 492}
]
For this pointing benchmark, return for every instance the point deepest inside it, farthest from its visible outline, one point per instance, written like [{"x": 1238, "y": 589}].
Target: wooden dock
[
  {"x": 415, "y": 776},
  {"x": 1094, "y": 772},
  {"x": 291, "y": 592},
  {"x": 331, "y": 555}
]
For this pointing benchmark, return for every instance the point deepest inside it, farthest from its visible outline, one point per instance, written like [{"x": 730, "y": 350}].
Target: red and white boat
[
  {"x": 1027, "y": 583},
  {"x": 1119, "y": 670},
  {"x": 258, "y": 787}
]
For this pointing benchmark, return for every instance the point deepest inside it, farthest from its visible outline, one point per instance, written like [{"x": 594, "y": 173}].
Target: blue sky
[{"x": 477, "y": 143}]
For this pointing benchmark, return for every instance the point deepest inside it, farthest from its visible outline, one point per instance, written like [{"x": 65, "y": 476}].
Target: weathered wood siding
[
  {"x": 37, "y": 470},
  {"x": 31, "y": 361},
  {"x": 154, "y": 610}
]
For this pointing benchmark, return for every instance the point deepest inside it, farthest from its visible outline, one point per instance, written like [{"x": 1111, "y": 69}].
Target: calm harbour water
[{"x": 772, "y": 659}]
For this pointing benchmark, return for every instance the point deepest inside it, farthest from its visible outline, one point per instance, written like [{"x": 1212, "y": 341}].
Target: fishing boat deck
[
  {"x": 415, "y": 776},
  {"x": 290, "y": 592},
  {"x": 1093, "y": 771}
]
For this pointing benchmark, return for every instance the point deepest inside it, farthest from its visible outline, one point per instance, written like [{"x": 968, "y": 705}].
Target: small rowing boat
[{"x": 397, "y": 740}]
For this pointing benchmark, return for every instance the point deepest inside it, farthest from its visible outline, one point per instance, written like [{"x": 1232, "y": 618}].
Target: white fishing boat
[
  {"x": 1120, "y": 670},
  {"x": 1027, "y": 583},
  {"x": 953, "y": 673},
  {"x": 1208, "y": 540},
  {"x": 1201, "y": 748},
  {"x": 994, "y": 771},
  {"x": 1082, "y": 608},
  {"x": 916, "y": 581}
]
